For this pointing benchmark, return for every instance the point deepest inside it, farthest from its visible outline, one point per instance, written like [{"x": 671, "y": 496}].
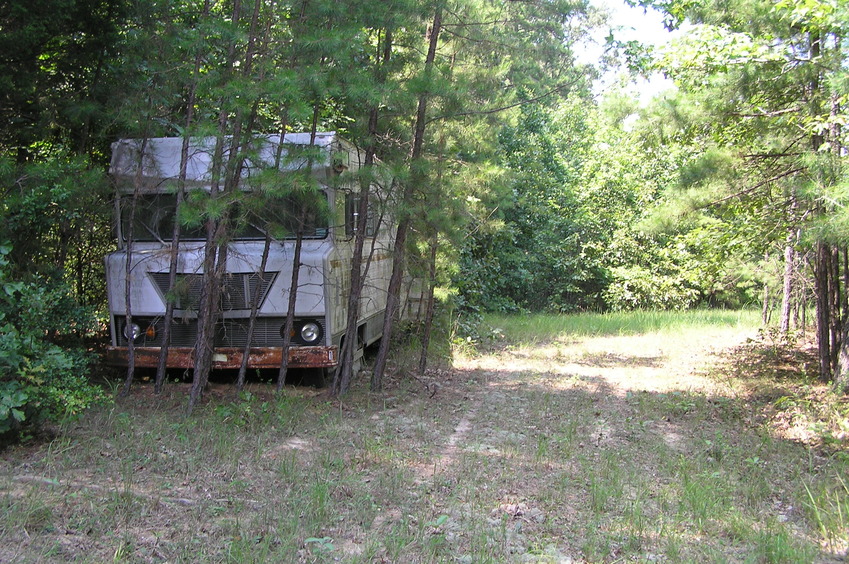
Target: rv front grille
[{"x": 238, "y": 291}]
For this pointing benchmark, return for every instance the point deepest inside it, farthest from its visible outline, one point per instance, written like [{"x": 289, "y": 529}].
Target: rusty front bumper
[{"x": 228, "y": 358}]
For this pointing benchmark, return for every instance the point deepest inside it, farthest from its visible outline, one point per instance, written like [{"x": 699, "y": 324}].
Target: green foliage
[
  {"x": 714, "y": 48},
  {"x": 703, "y": 264},
  {"x": 55, "y": 214},
  {"x": 12, "y": 402},
  {"x": 530, "y": 254},
  {"x": 758, "y": 122},
  {"x": 54, "y": 231},
  {"x": 39, "y": 379},
  {"x": 636, "y": 287},
  {"x": 54, "y": 74},
  {"x": 594, "y": 218}
]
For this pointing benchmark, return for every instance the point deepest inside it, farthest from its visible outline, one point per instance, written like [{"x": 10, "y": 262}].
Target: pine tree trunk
[
  {"x": 399, "y": 250},
  {"x": 209, "y": 297},
  {"x": 175, "y": 250},
  {"x": 296, "y": 270},
  {"x": 215, "y": 257},
  {"x": 128, "y": 321},
  {"x": 351, "y": 341},
  {"x": 218, "y": 232},
  {"x": 208, "y": 312},
  {"x": 765, "y": 305},
  {"x": 288, "y": 327},
  {"x": 175, "y": 235},
  {"x": 823, "y": 314},
  {"x": 823, "y": 272},
  {"x": 787, "y": 294},
  {"x": 428, "y": 322},
  {"x": 243, "y": 368},
  {"x": 345, "y": 372},
  {"x": 174, "y": 253},
  {"x": 841, "y": 373},
  {"x": 844, "y": 302},
  {"x": 835, "y": 328}
]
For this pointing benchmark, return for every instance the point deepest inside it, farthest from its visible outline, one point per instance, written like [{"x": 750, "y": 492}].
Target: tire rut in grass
[{"x": 448, "y": 454}]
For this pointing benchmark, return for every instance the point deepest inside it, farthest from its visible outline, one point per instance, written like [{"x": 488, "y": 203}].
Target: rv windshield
[{"x": 154, "y": 219}]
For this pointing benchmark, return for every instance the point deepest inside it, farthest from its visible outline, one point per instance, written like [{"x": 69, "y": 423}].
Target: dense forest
[{"x": 516, "y": 187}]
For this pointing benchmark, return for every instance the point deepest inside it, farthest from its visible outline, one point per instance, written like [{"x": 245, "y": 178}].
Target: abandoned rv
[{"x": 259, "y": 261}]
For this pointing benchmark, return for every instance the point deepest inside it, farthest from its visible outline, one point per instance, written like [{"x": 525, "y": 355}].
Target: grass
[
  {"x": 659, "y": 444},
  {"x": 532, "y": 329}
]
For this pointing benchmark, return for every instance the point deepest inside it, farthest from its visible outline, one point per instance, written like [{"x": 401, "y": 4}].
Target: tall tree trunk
[
  {"x": 428, "y": 322},
  {"x": 844, "y": 302},
  {"x": 278, "y": 156},
  {"x": 174, "y": 255},
  {"x": 175, "y": 235},
  {"x": 841, "y": 371},
  {"x": 821, "y": 282},
  {"x": 823, "y": 286},
  {"x": 787, "y": 294},
  {"x": 243, "y": 368},
  {"x": 218, "y": 232},
  {"x": 835, "y": 328},
  {"x": 345, "y": 372},
  {"x": 128, "y": 271},
  {"x": 766, "y": 306},
  {"x": 289, "y": 325},
  {"x": 215, "y": 253},
  {"x": 399, "y": 250},
  {"x": 351, "y": 342},
  {"x": 209, "y": 296}
]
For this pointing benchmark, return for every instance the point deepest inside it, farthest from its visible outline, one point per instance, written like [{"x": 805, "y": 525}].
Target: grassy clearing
[
  {"x": 532, "y": 329},
  {"x": 660, "y": 445}
]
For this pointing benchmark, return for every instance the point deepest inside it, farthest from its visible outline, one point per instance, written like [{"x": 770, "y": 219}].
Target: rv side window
[
  {"x": 154, "y": 219},
  {"x": 352, "y": 216}
]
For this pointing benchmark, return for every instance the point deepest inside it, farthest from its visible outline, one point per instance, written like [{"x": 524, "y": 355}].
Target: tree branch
[
  {"x": 751, "y": 189},
  {"x": 499, "y": 109},
  {"x": 765, "y": 113},
  {"x": 770, "y": 155}
]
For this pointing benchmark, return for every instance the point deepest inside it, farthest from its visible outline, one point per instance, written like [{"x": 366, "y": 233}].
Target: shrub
[
  {"x": 43, "y": 363},
  {"x": 640, "y": 288}
]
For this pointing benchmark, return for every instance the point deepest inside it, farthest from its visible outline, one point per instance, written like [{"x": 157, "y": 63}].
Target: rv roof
[{"x": 161, "y": 159}]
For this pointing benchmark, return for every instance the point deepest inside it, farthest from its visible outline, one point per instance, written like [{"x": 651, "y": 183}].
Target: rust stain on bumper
[{"x": 228, "y": 357}]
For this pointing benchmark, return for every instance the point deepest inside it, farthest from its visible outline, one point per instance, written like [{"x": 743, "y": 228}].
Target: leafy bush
[
  {"x": 41, "y": 379},
  {"x": 12, "y": 402},
  {"x": 640, "y": 288}
]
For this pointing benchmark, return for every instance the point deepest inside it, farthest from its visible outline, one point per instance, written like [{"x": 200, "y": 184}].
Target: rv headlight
[
  {"x": 310, "y": 332},
  {"x": 132, "y": 331}
]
